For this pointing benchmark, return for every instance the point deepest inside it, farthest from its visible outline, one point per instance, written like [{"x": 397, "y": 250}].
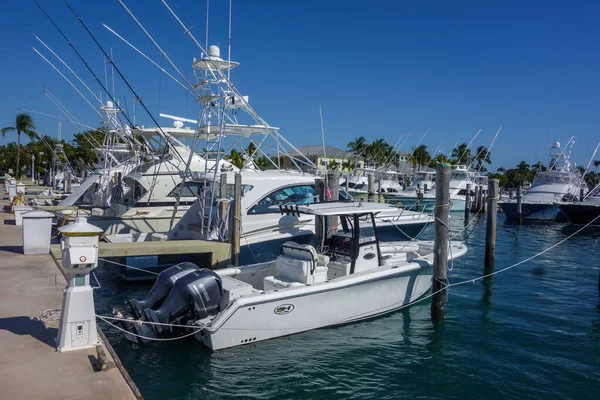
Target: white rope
[
  {"x": 149, "y": 338},
  {"x": 49, "y": 315},
  {"x": 143, "y": 322},
  {"x": 128, "y": 266}
]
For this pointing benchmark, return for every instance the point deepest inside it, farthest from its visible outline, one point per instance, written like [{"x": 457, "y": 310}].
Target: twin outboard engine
[
  {"x": 197, "y": 295},
  {"x": 162, "y": 287},
  {"x": 182, "y": 293}
]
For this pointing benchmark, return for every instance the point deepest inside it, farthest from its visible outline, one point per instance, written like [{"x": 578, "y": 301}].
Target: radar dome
[
  {"x": 109, "y": 104},
  {"x": 556, "y": 145},
  {"x": 213, "y": 51},
  {"x": 178, "y": 124}
]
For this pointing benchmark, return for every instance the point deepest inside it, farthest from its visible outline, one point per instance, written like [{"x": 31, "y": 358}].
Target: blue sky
[{"x": 378, "y": 68}]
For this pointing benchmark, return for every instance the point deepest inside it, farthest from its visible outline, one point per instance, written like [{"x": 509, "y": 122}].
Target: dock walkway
[{"x": 30, "y": 367}]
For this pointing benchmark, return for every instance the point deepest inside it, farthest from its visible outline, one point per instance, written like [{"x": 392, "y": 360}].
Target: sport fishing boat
[
  {"x": 584, "y": 212},
  {"x": 263, "y": 226},
  {"x": 357, "y": 185},
  {"x": 559, "y": 184},
  {"x": 347, "y": 278},
  {"x": 424, "y": 195}
]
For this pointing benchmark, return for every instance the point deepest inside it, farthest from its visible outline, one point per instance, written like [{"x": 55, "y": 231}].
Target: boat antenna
[
  {"x": 468, "y": 146},
  {"x": 147, "y": 58},
  {"x": 413, "y": 152},
  {"x": 207, "y": 9},
  {"x": 78, "y": 54},
  {"x": 229, "y": 41},
  {"x": 561, "y": 153},
  {"x": 162, "y": 133},
  {"x": 323, "y": 139},
  {"x": 69, "y": 68},
  {"x": 591, "y": 159},
  {"x": 162, "y": 52},
  {"x": 487, "y": 151}
]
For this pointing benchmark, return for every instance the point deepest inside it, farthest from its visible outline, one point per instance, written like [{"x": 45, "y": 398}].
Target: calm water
[{"x": 531, "y": 332}]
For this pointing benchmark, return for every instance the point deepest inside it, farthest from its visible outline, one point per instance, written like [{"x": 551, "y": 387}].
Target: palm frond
[{"x": 7, "y": 129}]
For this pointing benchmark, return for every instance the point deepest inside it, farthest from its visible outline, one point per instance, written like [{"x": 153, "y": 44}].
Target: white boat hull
[{"x": 254, "y": 321}]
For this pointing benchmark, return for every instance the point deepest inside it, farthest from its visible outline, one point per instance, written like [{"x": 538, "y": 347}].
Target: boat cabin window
[
  {"x": 459, "y": 176},
  {"x": 135, "y": 193},
  {"x": 301, "y": 194},
  {"x": 549, "y": 177},
  {"x": 188, "y": 189}
]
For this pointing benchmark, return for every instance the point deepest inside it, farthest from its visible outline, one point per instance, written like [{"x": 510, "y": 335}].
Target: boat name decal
[{"x": 284, "y": 309}]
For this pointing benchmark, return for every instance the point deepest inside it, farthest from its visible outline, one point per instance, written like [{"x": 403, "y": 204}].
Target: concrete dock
[{"x": 30, "y": 367}]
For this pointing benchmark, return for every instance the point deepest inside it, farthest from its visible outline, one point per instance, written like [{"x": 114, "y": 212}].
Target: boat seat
[
  {"x": 299, "y": 264},
  {"x": 273, "y": 283}
]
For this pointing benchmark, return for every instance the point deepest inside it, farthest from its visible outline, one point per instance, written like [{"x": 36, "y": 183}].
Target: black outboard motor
[
  {"x": 161, "y": 288},
  {"x": 197, "y": 295}
]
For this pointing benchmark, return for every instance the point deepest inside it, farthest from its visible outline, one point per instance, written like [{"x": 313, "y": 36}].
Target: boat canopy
[{"x": 344, "y": 208}]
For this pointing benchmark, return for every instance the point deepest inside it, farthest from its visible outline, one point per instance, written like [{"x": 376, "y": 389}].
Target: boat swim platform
[
  {"x": 205, "y": 253},
  {"x": 30, "y": 366}
]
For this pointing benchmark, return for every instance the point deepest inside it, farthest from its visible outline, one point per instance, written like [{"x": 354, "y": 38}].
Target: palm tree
[
  {"x": 358, "y": 145},
  {"x": 461, "y": 153},
  {"x": 438, "y": 159},
  {"x": 420, "y": 156},
  {"x": 24, "y": 124},
  {"x": 483, "y": 156}
]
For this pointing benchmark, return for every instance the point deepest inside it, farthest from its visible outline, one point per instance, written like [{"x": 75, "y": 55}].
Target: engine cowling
[
  {"x": 161, "y": 288},
  {"x": 197, "y": 294}
]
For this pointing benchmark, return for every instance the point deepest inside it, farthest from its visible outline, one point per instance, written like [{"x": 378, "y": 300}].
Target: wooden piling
[
  {"x": 379, "y": 197},
  {"x": 468, "y": 199},
  {"x": 440, "y": 247},
  {"x": 519, "y": 204},
  {"x": 347, "y": 182},
  {"x": 235, "y": 217},
  {"x": 371, "y": 188},
  {"x": 223, "y": 195},
  {"x": 333, "y": 181},
  {"x": 490, "y": 228},
  {"x": 66, "y": 182},
  {"x": 581, "y": 194}
]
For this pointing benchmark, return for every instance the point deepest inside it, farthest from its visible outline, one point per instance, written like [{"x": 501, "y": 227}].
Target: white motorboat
[
  {"x": 425, "y": 196},
  {"x": 147, "y": 197},
  {"x": 559, "y": 184},
  {"x": 263, "y": 226},
  {"x": 350, "y": 277}
]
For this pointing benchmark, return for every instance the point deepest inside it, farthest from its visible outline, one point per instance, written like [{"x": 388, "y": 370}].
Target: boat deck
[{"x": 30, "y": 367}]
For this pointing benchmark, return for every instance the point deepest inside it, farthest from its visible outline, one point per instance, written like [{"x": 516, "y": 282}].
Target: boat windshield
[
  {"x": 300, "y": 194},
  {"x": 459, "y": 175},
  {"x": 551, "y": 177}
]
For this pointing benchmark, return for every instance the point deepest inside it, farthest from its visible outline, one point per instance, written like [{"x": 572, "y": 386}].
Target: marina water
[{"x": 530, "y": 332}]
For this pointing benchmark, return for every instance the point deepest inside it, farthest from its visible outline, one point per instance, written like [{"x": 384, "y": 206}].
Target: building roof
[{"x": 330, "y": 152}]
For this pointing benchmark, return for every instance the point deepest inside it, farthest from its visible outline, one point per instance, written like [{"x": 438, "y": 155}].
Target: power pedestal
[{"x": 79, "y": 249}]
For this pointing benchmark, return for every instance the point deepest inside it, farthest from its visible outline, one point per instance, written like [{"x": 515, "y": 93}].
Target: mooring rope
[{"x": 129, "y": 266}]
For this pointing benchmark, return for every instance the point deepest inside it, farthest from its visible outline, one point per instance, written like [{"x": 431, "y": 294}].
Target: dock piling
[
  {"x": 490, "y": 228},
  {"x": 234, "y": 221},
  {"x": 333, "y": 181},
  {"x": 371, "y": 188},
  {"x": 519, "y": 204},
  {"x": 440, "y": 249},
  {"x": 468, "y": 199},
  {"x": 223, "y": 195}
]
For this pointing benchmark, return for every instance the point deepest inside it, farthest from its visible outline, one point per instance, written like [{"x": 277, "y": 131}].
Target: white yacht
[
  {"x": 425, "y": 196},
  {"x": 263, "y": 225},
  {"x": 357, "y": 185},
  {"x": 349, "y": 277},
  {"x": 146, "y": 199},
  {"x": 560, "y": 183}
]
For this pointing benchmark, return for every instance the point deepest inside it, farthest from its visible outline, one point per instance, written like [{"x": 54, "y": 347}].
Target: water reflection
[{"x": 486, "y": 299}]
